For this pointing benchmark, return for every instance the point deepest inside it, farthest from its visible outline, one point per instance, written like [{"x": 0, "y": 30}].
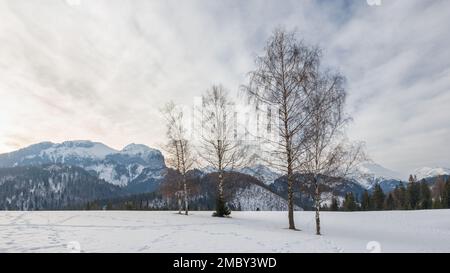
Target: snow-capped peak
[
  {"x": 79, "y": 143},
  {"x": 368, "y": 174},
  {"x": 376, "y": 170},
  {"x": 262, "y": 173},
  {"x": 79, "y": 148},
  {"x": 258, "y": 171},
  {"x": 427, "y": 172},
  {"x": 138, "y": 149}
]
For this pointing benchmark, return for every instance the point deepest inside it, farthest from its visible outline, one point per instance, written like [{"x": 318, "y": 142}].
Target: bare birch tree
[
  {"x": 173, "y": 160},
  {"x": 327, "y": 161},
  {"x": 321, "y": 157},
  {"x": 327, "y": 155},
  {"x": 179, "y": 149},
  {"x": 281, "y": 80},
  {"x": 220, "y": 146}
]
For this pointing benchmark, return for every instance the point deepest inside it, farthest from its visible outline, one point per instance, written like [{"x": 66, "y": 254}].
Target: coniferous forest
[{"x": 415, "y": 195}]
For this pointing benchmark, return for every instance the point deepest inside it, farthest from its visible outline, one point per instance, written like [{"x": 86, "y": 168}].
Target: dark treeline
[
  {"x": 147, "y": 201},
  {"x": 416, "y": 195}
]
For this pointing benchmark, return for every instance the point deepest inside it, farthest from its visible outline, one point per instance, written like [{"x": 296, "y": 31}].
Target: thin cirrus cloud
[{"x": 101, "y": 69}]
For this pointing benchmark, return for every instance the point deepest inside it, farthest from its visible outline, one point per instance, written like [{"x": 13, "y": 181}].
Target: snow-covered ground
[{"x": 133, "y": 231}]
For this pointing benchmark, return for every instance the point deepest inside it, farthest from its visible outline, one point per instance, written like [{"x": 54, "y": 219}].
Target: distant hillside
[
  {"x": 243, "y": 192},
  {"x": 50, "y": 187}
]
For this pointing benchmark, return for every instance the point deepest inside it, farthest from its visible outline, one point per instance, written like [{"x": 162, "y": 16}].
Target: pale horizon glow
[{"x": 100, "y": 69}]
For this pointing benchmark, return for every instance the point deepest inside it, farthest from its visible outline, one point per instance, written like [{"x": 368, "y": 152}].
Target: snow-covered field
[{"x": 133, "y": 231}]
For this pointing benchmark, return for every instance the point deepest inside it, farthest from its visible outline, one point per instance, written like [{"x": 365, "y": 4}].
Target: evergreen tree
[
  {"x": 399, "y": 195},
  {"x": 438, "y": 192},
  {"x": 378, "y": 198},
  {"x": 425, "y": 196},
  {"x": 334, "y": 204},
  {"x": 446, "y": 196},
  {"x": 222, "y": 209},
  {"x": 437, "y": 204},
  {"x": 389, "y": 203},
  {"x": 365, "y": 202},
  {"x": 349, "y": 202},
  {"x": 413, "y": 194}
]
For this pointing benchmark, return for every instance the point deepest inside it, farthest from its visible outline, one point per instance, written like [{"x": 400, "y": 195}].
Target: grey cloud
[{"x": 102, "y": 69}]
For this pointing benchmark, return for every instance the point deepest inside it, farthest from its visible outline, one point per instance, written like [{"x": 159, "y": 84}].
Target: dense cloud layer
[{"x": 100, "y": 70}]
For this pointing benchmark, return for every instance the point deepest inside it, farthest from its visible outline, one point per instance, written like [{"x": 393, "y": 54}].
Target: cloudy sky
[{"x": 101, "y": 69}]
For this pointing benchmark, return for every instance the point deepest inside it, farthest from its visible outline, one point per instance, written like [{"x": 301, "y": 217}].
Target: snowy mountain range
[
  {"x": 369, "y": 174},
  {"x": 126, "y": 166},
  {"x": 140, "y": 169},
  {"x": 135, "y": 169},
  {"x": 427, "y": 172},
  {"x": 134, "y": 163}
]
